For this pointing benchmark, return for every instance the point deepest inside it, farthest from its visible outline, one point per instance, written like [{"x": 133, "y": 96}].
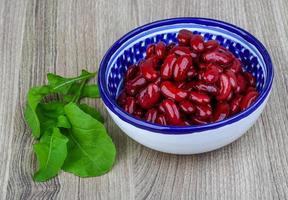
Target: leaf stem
[{"x": 79, "y": 92}]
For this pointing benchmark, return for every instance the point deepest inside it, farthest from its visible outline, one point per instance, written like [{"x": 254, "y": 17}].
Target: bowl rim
[{"x": 180, "y": 130}]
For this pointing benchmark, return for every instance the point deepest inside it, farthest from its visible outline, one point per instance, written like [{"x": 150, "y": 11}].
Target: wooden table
[{"x": 65, "y": 36}]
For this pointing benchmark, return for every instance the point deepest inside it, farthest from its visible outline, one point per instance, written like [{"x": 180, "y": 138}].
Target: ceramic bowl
[{"x": 187, "y": 139}]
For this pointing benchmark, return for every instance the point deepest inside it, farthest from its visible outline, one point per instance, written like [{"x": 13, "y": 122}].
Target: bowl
[{"x": 187, "y": 139}]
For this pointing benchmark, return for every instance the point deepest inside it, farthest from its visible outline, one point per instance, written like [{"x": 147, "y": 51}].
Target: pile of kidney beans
[{"x": 194, "y": 82}]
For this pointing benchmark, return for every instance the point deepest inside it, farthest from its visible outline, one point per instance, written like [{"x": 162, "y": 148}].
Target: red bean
[
  {"x": 225, "y": 87},
  {"x": 138, "y": 113},
  {"x": 221, "y": 112},
  {"x": 198, "y": 121},
  {"x": 150, "y": 51},
  {"x": 121, "y": 100},
  {"x": 191, "y": 73},
  {"x": 130, "y": 105},
  {"x": 134, "y": 85},
  {"x": 148, "y": 71},
  {"x": 169, "y": 90},
  {"x": 203, "y": 111},
  {"x": 158, "y": 81},
  {"x": 149, "y": 96},
  {"x": 248, "y": 99},
  {"x": 131, "y": 72},
  {"x": 218, "y": 56},
  {"x": 170, "y": 46},
  {"x": 207, "y": 88},
  {"x": 235, "y": 103},
  {"x": 161, "y": 120},
  {"x": 160, "y": 50},
  {"x": 161, "y": 108},
  {"x": 241, "y": 84},
  {"x": 167, "y": 67},
  {"x": 184, "y": 37},
  {"x": 197, "y": 43},
  {"x": 151, "y": 115},
  {"x": 171, "y": 112},
  {"x": 187, "y": 107},
  {"x": 236, "y": 66},
  {"x": 232, "y": 78},
  {"x": 199, "y": 98},
  {"x": 211, "y": 45},
  {"x": 180, "y": 50},
  {"x": 211, "y": 75},
  {"x": 193, "y": 82},
  {"x": 250, "y": 79},
  {"x": 181, "y": 67}
]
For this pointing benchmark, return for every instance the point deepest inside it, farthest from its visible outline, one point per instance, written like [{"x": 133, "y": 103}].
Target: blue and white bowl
[{"x": 189, "y": 139}]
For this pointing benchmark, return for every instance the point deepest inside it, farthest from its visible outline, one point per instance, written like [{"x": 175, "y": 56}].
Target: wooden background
[{"x": 38, "y": 36}]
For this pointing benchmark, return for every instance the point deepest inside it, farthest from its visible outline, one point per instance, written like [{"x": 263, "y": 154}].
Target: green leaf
[
  {"x": 63, "y": 122},
  {"x": 63, "y": 85},
  {"x": 35, "y": 95},
  {"x": 51, "y": 152},
  {"x": 92, "y": 151},
  {"x": 48, "y": 115},
  {"x": 89, "y": 91},
  {"x": 91, "y": 111}
]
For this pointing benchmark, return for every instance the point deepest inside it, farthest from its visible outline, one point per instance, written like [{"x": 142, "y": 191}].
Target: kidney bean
[
  {"x": 161, "y": 120},
  {"x": 197, "y": 43},
  {"x": 211, "y": 45},
  {"x": 121, "y": 99},
  {"x": 198, "y": 121},
  {"x": 151, "y": 115},
  {"x": 248, "y": 99},
  {"x": 221, "y": 112},
  {"x": 184, "y": 37},
  {"x": 218, "y": 56},
  {"x": 199, "y": 98},
  {"x": 180, "y": 84},
  {"x": 250, "y": 88},
  {"x": 234, "y": 104},
  {"x": 131, "y": 72},
  {"x": 167, "y": 67},
  {"x": 148, "y": 71},
  {"x": 170, "y": 46},
  {"x": 186, "y": 123},
  {"x": 169, "y": 90},
  {"x": 171, "y": 112},
  {"x": 250, "y": 79},
  {"x": 130, "y": 105},
  {"x": 180, "y": 50},
  {"x": 161, "y": 108},
  {"x": 200, "y": 81},
  {"x": 149, "y": 96},
  {"x": 236, "y": 66},
  {"x": 211, "y": 75},
  {"x": 138, "y": 113},
  {"x": 241, "y": 84},
  {"x": 134, "y": 85},
  {"x": 232, "y": 78},
  {"x": 181, "y": 67},
  {"x": 225, "y": 87},
  {"x": 203, "y": 111},
  {"x": 202, "y": 66},
  {"x": 207, "y": 88},
  {"x": 150, "y": 51},
  {"x": 187, "y": 107},
  {"x": 160, "y": 50},
  {"x": 191, "y": 73},
  {"x": 158, "y": 81}
]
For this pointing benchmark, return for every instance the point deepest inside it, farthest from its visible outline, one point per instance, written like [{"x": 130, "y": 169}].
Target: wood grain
[{"x": 65, "y": 36}]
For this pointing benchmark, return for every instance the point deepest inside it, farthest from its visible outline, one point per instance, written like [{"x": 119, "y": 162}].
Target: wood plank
[{"x": 66, "y": 36}]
